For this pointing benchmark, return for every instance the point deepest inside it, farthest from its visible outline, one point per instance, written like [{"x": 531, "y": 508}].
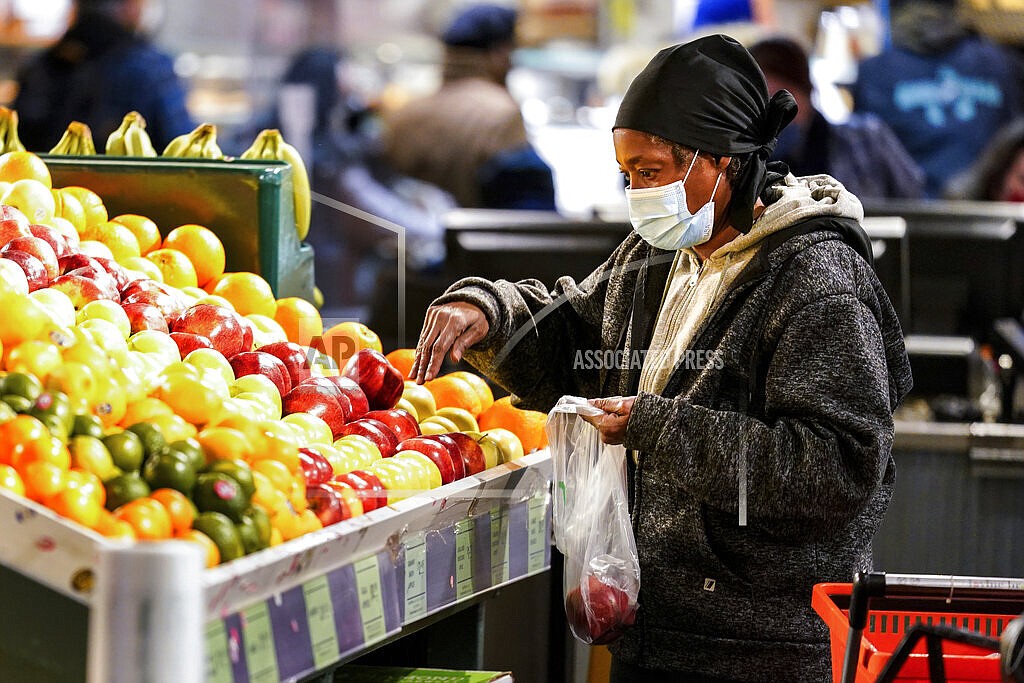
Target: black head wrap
[{"x": 710, "y": 94}]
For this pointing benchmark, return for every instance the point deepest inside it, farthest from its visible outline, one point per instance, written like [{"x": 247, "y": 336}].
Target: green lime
[
  {"x": 87, "y": 424},
  {"x": 250, "y": 535},
  {"x": 55, "y": 403},
  {"x": 261, "y": 519},
  {"x": 17, "y": 402},
  {"x": 238, "y": 470},
  {"x": 57, "y": 426},
  {"x": 222, "y": 532},
  {"x": 170, "y": 470},
  {"x": 193, "y": 449},
  {"x": 88, "y": 453},
  {"x": 124, "y": 488},
  {"x": 219, "y": 492},
  {"x": 23, "y": 384},
  {"x": 153, "y": 441},
  {"x": 126, "y": 449}
]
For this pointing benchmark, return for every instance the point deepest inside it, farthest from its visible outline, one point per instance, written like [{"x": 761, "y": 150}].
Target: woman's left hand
[{"x": 612, "y": 424}]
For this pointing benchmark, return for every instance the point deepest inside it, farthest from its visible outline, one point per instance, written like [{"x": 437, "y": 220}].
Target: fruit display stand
[
  {"x": 248, "y": 204},
  {"x": 305, "y": 606}
]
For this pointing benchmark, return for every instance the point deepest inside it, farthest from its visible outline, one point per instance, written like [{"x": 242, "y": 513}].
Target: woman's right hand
[{"x": 447, "y": 329}]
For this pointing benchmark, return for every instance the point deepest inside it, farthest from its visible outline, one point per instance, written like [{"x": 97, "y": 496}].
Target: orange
[
  {"x": 483, "y": 390},
  {"x": 112, "y": 527},
  {"x": 176, "y": 268},
  {"x": 144, "y": 229},
  {"x": 23, "y": 318},
  {"x": 16, "y": 166},
  {"x": 46, "y": 448},
  {"x": 81, "y": 500},
  {"x": 33, "y": 198},
  {"x": 144, "y": 266},
  {"x": 68, "y": 207},
  {"x": 92, "y": 205},
  {"x": 43, "y": 480},
  {"x": 148, "y": 517},
  {"x": 18, "y": 434},
  {"x": 179, "y": 508},
  {"x": 203, "y": 248},
  {"x": 247, "y": 292},
  {"x": 344, "y": 340},
  {"x": 197, "y": 536},
  {"x": 402, "y": 359},
  {"x": 121, "y": 241},
  {"x": 225, "y": 443},
  {"x": 299, "y": 319},
  {"x": 449, "y": 390},
  {"x": 528, "y": 425},
  {"x": 11, "y": 480}
]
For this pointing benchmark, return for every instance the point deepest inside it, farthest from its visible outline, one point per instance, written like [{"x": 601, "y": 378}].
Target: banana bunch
[
  {"x": 9, "y": 141},
  {"x": 131, "y": 139},
  {"x": 270, "y": 145},
  {"x": 201, "y": 143},
  {"x": 76, "y": 141}
]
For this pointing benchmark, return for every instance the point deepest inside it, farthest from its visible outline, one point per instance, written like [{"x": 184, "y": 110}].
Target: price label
[
  {"x": 464, "y": 558},
  {"x": 415, "y": 577},
  {"x": 537, "y": 533},
  {"x": 218, "y": 659},
  {"x": 320, "y": 613},
  {"x": 371, "y": 600},
  {"x": 260, "y": 653},
  {"x": 499, "y": 546}
]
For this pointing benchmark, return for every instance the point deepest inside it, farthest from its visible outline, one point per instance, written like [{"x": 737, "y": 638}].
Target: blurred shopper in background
[
  {"x": 469, "y": 137},
  {"x": 100, "y": 69},
  {"x": 717, "y": 12},
  {"x": 345, "y": 166},
  {"x": 943, "y": 90},
  {"x": 861, "y": 153},
  {"x": 998, "y": 175},
  {"x": 762, "y": 361}
]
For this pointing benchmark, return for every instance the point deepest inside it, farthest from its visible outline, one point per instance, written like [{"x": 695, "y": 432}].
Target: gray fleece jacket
[{"x": 803, "y": 365}]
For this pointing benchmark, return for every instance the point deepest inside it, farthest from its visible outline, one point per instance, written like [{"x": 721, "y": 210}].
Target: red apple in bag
[
  {"x": 602, "y": 615},
  {"x": 377, "y": 377}
]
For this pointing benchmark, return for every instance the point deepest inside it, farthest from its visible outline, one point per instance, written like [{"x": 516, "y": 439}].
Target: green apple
[
  {"x": 260, "y": 385},
  {"x": 256, "y": 405},
  {"x": 438, "y": 424},
  {"x": 404, "y": 404},
  {"x": 492, "y": 452},
  {"x": 433, "y": 479},
  {"x": 462, "y": 418},
  {"x": 157, "y": 343},
  {"x": 314, "y": 428},
  {"x": 510, "y": 445},
  {"x": 341, "y": 462},
  {"x": 361, "y": 447},
  {"x": 104, "y": 309},
  {"x": 266, "y": 330},
  {"x": 12, "y": 278},
  {"x": 421, "y": 399},
  {"x": 397, "y": 478},
  {"x": 59, "y": 305},
  {"x": 211, "y": 359},
  {"x": 107, "y": 335}
]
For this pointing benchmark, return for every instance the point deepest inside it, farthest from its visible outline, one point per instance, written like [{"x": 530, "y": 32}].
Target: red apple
[
  {"x": 81, "y": 290},
  {"x": 318, "y": 401},
  {"x": 218, "y": 324},
  {"x": 472, "y": 454},
  {"x": 186, "y": 341},
  {"x": 376, "y": 431},
  {"x": 371, "y": 490},
  {"x": 316, "y": 468},
  {"x": 248, "y": 332},
  {"x": 101, "y": 278},
  {"x": 438, "y": 454},
  {"x": 453, "y": 451},
  {"x": 76, "y": 260},
  {"x": 602, "y": 615},
  {"x": 294, "y": 358},
  {"x": 13, "y": 223},
  {"x": 332, "y": 389},
  {"x": 379, "y": 379},
  {"x": 360, "y": 405},
  {"x": 259, "y": 363},
  {"x": 327, "y": 504},
  {"x": 52, "y": 236},
  {"x": 398, "y": 420},
  {"x": 39, "y": 248},
  {"x": 143, "y": 316},
  {"x": 35, "y": 271},
  {"x": 114, "y": 269}
]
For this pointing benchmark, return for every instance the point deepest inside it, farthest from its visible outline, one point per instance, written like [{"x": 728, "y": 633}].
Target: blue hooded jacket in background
[{"x": 942, "y": 90}]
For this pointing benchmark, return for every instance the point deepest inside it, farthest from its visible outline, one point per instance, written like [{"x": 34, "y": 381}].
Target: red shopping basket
[{"x": 869, "y": 619}]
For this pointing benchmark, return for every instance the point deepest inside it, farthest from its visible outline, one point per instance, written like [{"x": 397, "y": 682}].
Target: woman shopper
[{"x": 762, "y": 362}]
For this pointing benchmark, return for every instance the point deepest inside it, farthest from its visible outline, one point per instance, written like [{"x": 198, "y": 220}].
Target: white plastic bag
[{"x": 591, "y": 524}]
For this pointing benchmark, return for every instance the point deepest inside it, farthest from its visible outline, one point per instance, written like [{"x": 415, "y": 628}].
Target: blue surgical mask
[{"x": 661, "y": 217}]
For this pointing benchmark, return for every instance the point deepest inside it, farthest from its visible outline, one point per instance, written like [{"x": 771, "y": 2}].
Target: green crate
[{"x": 247, "y": 203}]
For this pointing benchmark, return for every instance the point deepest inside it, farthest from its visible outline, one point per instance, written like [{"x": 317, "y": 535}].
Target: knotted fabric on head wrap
[{"x": 709, "y": 94}]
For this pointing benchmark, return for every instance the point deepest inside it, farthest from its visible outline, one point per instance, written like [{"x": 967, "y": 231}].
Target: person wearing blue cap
[
  {"x": 740, "y": 347},
  {"x": 469, "y": 137}
]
